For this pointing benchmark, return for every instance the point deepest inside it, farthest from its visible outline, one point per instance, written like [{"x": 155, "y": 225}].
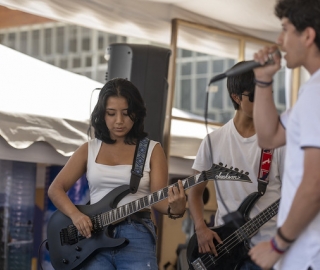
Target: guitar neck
[
  {"x": 255, "y": 223},
  {"x": 216, "y": 172},
  {"x": 148, "y": 200}
]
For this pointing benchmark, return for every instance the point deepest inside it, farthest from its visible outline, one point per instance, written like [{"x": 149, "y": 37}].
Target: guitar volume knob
[
  {"x": 65, "y": 261},
  {"x": 78, "y": 248}
]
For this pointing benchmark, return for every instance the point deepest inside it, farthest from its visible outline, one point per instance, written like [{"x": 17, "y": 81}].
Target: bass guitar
[
  {"x": 234, "y": 249},
  {"x": 68, "y": 249}
]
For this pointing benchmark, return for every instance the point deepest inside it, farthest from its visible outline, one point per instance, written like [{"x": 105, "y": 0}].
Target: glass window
[
  {"x": 35, "y": 43},
  {"x": 76, "y": 62},
  {"x": 102, "y": 60},
  {"x": 100, "y": 41},
  {"x": 73, "y": 38},
  {"x": 12, "y": 40},
  {"x": 186, "y": 95},
  {"x": 48, "y": 41},
  {"x": 64, "y": 63},
  {"x": 60, "y": 40},
  {"x": 218, "y": 66},
  {"x": 202, "y": 67},
  {"x": 186, "y": 68},
  {"x": 86, "y": 44},
  {"x": 186, "y": 53},
  {"x": 24, "y": 42},
  {"x": 112, "y": 39},
  {"x": 88, "y": 61},
  {"x": 201, "y": 93},
  {"x": 217, "y": 97}
]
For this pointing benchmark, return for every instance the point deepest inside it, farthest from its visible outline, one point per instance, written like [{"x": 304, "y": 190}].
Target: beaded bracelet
[
  {"x": 175, "y": 216},
  {"x": 263, "y": 84},
  {"x": 285, "y": 239},
  {"x": 275, "y": 246}
]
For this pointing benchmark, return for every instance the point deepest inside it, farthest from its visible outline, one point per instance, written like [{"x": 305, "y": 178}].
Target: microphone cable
[{"x": 233, "y": 215}]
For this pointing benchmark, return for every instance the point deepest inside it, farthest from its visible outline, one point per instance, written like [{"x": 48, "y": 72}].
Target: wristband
[
  {"x": 175, "y": 216},
  {"x": 275, "y": 246},
  {"x": 263, "y": 84},
  {"x": 285, "y": 239}
]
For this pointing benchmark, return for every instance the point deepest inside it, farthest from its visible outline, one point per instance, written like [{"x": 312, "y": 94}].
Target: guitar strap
[
  {"x": 136, "y": 171},
  {"x": 138, "y": 164},
  {"x": 263, "y": 174}
]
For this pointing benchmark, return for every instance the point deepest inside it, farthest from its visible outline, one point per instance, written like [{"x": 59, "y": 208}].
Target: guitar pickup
[{"x": 96, "y": 224}]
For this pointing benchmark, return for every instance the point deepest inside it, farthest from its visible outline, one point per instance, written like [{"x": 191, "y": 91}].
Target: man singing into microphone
[
  {"x": 296, "y": 245},
  {"x": 235, "y": 144}
]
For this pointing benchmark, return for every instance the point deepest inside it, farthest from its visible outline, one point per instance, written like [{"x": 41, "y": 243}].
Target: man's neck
[{"x": 244, "y": 125}]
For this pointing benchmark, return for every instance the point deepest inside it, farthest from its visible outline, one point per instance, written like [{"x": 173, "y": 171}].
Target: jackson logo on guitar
[
  {"x": 234, "y": 248},
  {"x": 68, "y": 249}
]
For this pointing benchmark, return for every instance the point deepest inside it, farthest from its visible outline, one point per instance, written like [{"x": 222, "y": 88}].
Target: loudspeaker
[{"x": 146, "y": 67}]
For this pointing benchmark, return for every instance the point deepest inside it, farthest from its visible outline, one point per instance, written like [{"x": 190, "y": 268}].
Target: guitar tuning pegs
[
  {"x": 226, "y": 166},
  {"x": 236, "y": 169},
  {"x": 231, "y": 168},
  {"x": 241, "y": 171},
  {"x": 221, "y": 164},
  {"x": 246, "y": 173}
]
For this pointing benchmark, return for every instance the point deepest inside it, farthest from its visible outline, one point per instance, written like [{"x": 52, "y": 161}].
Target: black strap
[{"x": 138, "y": 164}]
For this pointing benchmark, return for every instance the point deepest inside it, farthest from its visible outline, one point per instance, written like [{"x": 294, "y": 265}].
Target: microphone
[{"x": 244, "y": 67}]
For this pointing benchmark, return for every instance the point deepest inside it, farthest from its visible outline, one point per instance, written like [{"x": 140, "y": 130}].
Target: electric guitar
[
  {"x": 234, "y": 249},
  {"x": 68, "y": 249}
]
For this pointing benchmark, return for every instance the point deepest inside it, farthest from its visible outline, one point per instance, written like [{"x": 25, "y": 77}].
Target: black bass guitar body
[{"x": 234, "y": 249}]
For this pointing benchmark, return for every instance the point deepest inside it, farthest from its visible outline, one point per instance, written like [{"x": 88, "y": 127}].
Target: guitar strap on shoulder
[
  {"x": 138, "y": 164},
  {"x": 264, "y": 168}
]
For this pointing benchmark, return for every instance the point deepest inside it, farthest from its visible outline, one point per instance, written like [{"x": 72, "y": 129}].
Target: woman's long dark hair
[{"x": 119, "y": 87}]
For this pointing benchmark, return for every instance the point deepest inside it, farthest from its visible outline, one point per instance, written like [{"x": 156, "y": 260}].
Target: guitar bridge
[
  {"x": 198, "y": 265},
  {"x": 69, "y": 235}
]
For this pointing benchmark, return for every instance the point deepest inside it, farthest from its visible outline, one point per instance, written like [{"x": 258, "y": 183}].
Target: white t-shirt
[
  {"x": 104, "y": 178},
  {"x": 302, "y": 124},
  {"x": 231, "y": 149}
]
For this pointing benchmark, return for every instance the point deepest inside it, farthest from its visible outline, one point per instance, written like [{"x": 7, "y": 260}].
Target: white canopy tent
[
  {"x": 151, "y": 19},
  {"x": 52, "y": 97},
  {"x": 44, "y": 114}
]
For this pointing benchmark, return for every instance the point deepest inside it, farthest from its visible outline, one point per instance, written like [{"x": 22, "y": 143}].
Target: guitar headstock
[{"x": 220, "y": 172}]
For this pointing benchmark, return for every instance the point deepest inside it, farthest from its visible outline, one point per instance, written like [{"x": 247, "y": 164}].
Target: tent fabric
[
  {"x": 22, "y": 130},
  {"x": 41, "y": 102},
  {"x": 45, "y": 111},
  {"x": 151, "y": 20}
]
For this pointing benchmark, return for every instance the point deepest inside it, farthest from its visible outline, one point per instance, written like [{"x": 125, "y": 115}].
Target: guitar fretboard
[
  {"x": 216, "y": 172},
  {"x": 255, "y": 223},
  {"x": 143, "y": 202}
]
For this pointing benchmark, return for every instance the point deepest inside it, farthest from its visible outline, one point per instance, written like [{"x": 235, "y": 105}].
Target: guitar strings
[
  {"x": 134, "y": 206},
  {"x": 235, "y": 238}
]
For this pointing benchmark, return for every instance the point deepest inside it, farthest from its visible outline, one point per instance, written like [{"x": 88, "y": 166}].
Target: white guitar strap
[{"x": 264, "y": 168}]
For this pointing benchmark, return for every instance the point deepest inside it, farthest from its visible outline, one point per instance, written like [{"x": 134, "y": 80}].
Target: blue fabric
[
  {"x": 140, "y": 253},
  {"x": 249, "y": 265}
]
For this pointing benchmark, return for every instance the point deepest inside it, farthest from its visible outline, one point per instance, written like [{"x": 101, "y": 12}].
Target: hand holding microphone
[
  {"x": 265, "y": 57},
  {"x": 269, "y": 57}
]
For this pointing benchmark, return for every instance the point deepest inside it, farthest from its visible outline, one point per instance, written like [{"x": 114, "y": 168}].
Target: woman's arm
[{"x": 70, "y": 173}]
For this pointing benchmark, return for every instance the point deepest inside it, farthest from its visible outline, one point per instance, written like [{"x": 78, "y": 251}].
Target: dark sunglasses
[{"x": 250, "y": 96}]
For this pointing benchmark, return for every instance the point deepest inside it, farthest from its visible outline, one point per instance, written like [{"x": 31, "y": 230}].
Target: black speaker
[{"x": 146, "y": 67}]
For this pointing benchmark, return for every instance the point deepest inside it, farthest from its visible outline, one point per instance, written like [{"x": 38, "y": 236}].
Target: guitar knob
[
  {"x": 65, "y": 261},
  {"x": 78, "y": 248}
]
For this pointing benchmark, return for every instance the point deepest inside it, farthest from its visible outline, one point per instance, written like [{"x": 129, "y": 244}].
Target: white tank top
[{"x": 104, "y": 178}]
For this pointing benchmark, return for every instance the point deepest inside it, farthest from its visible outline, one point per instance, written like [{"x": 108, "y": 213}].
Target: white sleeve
[
  {"x": 309, "y": 119},
  {"x": 203, "y": 161}
]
